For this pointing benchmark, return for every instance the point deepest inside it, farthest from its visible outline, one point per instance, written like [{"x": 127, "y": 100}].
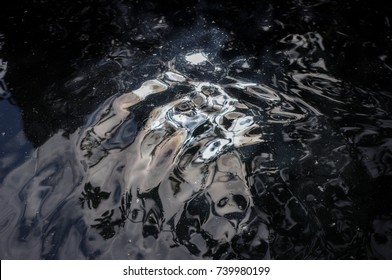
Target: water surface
[{"x": 197, "y": 130}]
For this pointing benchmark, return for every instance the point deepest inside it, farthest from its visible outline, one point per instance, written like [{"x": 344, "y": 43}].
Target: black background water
[{"x": 60, "y": 61}]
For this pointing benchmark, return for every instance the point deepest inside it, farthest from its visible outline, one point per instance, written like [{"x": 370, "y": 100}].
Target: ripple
[{"x": 208, "y": 142}]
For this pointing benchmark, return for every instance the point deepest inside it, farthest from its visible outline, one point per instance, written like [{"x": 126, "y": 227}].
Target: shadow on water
[{"x": 138, "y": 130}]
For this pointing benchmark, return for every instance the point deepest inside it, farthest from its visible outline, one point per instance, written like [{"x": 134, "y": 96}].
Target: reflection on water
[{"x": 204, "y": 150}]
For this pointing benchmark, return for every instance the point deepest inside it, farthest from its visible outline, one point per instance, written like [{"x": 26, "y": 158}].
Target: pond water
[{"x": 195, "y": 130}]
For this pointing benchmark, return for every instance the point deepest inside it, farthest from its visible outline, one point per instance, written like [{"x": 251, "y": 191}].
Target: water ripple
[{"x": 202, "y": 147}]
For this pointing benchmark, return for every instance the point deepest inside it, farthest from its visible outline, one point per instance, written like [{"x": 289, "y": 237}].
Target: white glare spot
[
  {"x": 174, "y": 77},
  {"x": 196, "y": 58}
]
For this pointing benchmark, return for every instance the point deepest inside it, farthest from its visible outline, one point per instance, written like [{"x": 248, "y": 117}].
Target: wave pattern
[{"x": 201, "y": 155}]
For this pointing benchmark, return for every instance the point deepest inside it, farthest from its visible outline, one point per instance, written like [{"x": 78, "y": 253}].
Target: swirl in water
[{"x": 194, "y": 163}]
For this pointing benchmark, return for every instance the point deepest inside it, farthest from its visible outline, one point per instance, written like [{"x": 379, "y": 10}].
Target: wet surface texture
[{"x": 195, "y": 130}]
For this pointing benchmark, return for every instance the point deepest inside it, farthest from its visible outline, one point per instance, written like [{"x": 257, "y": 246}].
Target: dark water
[{"x": 195, "y": 129}]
